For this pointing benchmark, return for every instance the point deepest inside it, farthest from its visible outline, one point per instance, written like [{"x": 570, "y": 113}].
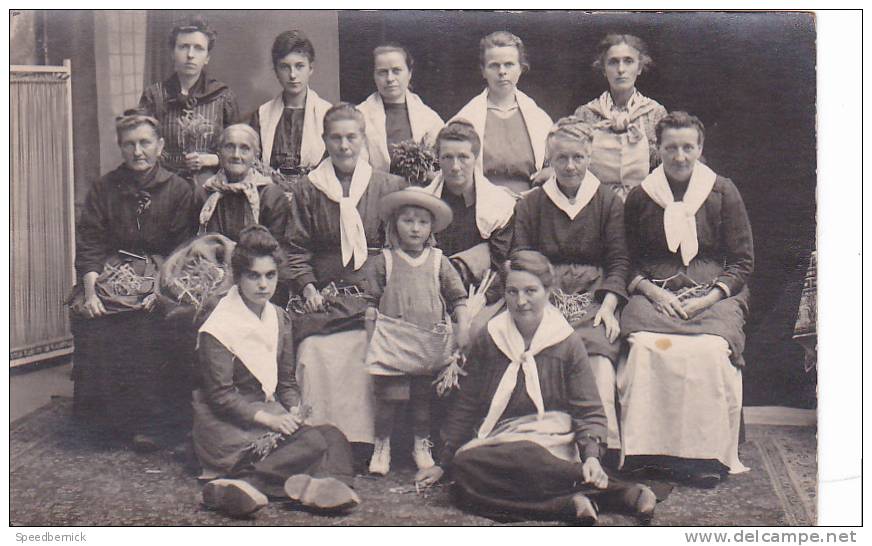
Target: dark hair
[
  {"x": 132, "y": 119},
  {"x": 504, "y": 38},
  {"x": 292, "y": 41},
  {"x": 459, "y": 130},
  {"x": 680, "y": 120},
  {"x": 611, "y": 40},
  {"x": 341, "y": 111},
  {"x": 394, "y": 47},
  {"x": 255, "y": 241},
  {"x": 196, "y": 23},
  {"x": 532, "y": 262}
]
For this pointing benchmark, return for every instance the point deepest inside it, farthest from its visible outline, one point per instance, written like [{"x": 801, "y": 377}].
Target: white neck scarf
[
  {"x": 494, "y": 206},
  {"x": 589, "y": 186},
  {"x": 679, "y": 217},
  {"x": 351, "y": 232},
  {"x": 425, "y": 123},
  {"x": 312, "y": 146},
  {"x": 253, "y": 340},
  {"x": 218, "y": 186},
  {"x": 538, "y": 122},
  {"x": 552, "y": 330}
]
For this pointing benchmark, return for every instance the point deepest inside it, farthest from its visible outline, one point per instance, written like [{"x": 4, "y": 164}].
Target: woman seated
[
  {"x": 578, "y": 224},
  {"x": 692, "y": 254},
  {"x": 249, "y": 426},
  {"x": 290, "y": 124},
  {"x": 524, "y": 437},
  {"x": 393, "y": 113},
  {"x": 624, "y": 150},
  {"x": 510, "y": 125},
  {"x": 135, "y": 213},
  {"x": 334, "y": 222},
  {"x": 192, "y": 107},
  {"x": 480, "y": 233},
  {"x": 238, "y": 195}
]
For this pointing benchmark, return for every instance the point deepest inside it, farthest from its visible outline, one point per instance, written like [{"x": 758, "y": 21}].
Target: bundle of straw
[
  {"x": 297, "y": 304},
  {"x": 477, "y": 301},
  {"x": 269, "y": 442},
  {"x": 449, "y": 378},
  {"x": 199, "y": 279},
  {"x": 122, "y": 280},
  {"x": 572, "y": 306},
  {"x": 195, "y": 131},
  {"x": 414, "y": 161}
]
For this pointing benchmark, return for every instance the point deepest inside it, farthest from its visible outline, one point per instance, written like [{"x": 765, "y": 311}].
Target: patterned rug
[{"x": 61, "y": 476}]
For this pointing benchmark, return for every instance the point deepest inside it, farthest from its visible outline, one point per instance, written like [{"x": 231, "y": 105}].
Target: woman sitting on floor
[
  {"x": 691, "y": 248},
  {"x": 249, "y": 425},
  {"x": 530, "y": 400}
]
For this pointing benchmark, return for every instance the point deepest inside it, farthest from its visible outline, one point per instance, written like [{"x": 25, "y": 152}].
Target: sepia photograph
[{"x": 413, "y": 268}]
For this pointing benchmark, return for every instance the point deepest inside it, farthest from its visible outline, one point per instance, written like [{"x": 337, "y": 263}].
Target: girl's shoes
[
  {"x": 327, "y": 494},
  {"x": 421, "y": 453},
  {"x": 235, "y": 498},
  {"x": 381, "y": 457}
]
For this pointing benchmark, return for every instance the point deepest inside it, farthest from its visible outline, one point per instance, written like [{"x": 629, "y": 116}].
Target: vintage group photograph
[{"x": 413, "y": 268}]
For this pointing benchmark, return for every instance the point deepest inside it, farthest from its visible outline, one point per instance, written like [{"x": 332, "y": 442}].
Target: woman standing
[
  {"x": 249, "y": 428},
  {"x": 523, "y": 439},
  {"x": 578, "y": 223},
  {"x": 192, "y": 107},
  {"x": 692, "y": 254},
  {"x": 290, "y": 125},
  {"x": 624, "y": 149},
  {"x": 135, "y": 212},
  {"x": 510, "y": 125},
  {"x": 393, "y": 113}
]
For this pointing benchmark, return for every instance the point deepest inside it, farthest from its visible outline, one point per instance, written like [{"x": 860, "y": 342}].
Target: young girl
[{"x": 411, "y": 333}]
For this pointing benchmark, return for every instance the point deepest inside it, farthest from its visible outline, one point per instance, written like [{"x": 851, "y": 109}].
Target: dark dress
[
  {"x": 522, "y": 479},
  {"x": 594, "y": 238},
  {"x": 120, "y": 373},
  {"x": 463, "y": 232},
  {"x": 225, "y": 402},
  {"x": 725, "y": 258},
  {"x": 313, "y": 237},
  {"x": 288, "y": 138},
  {"x": 209, "y": 99}
]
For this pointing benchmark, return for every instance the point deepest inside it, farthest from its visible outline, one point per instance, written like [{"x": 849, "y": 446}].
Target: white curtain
[{"x": 41, "y": 213}]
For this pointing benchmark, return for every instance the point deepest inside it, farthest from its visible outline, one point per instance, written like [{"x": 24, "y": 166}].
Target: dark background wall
[{"x": 749, "y": 76}]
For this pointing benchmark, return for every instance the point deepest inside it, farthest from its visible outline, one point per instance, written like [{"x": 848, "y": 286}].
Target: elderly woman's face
[
  {"x": 391, "y": 76},
  {"x": 526, "y": 297},
  {"x": 622, "y": 67},
  {"x": 344, "y": 139},
  {"x": 679, "y": 149},
  {"x": 457, "y": 162},
  {"x": 236, "y": 154},
  {"x": 293, "y": 72},
  {"x": 570, "y": 159},
  {"x": 191, "y": 53},
  {"x": 502, "y": 68},
  {"x": 140, "y": 148}
]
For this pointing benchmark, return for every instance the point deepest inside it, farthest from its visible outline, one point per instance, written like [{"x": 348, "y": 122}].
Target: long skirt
[
  {"x": 336, "y": 384},
  {"x": 680, "y": 396},
  {"x": 124, "y": 376},
  {"x": 523, "y": 480}
]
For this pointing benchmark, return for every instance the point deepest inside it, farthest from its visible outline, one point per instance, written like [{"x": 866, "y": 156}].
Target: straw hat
[{"x": 418, "y": 197}]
